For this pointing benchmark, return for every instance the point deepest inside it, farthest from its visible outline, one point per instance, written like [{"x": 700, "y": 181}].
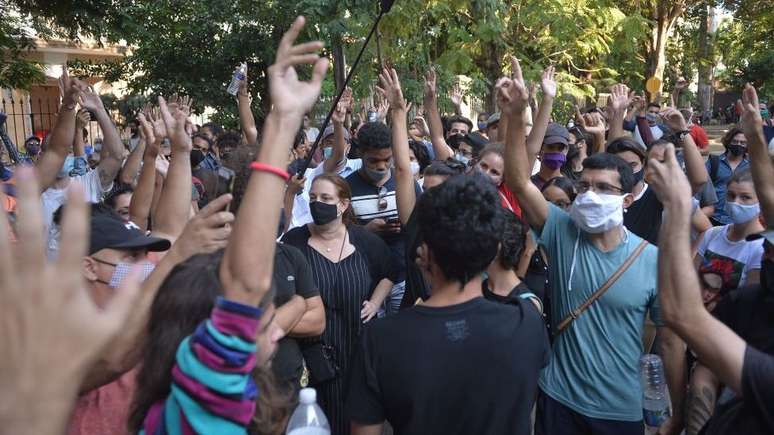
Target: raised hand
[
  {"x": 288, "y": 94},
  {"x": 579, "y": 119},
  {"x": 147, "y": 130},
  {"x": 456, "y": 96},
  {"x": 68, "y": 89},
  {"x": 750, "y": 121},
  {"x": 673, "y": 119},
  {"x": 619, "y": 98},
  {"x": 47, "y": 313},
  {"x": 175, "y": 121},
  {"x": 391, "y": 90},
  {"x": 668, "y": 180},
  {"x": 344, "y": 106},
  {"x": 296, "y": 184},
  {"x": 90, "y": 100},
  {"x": 82, "y": 119},
  {"x": 159, "y": 128},
  {"x": 208, "y": 230},
  {"x": 511, "y": 94},
  {"x": 547, "y": 83},
  {"x": 430, "y": 86},
  {"x": 381, "y": 110},
  {"x": 594, "y": 123}
]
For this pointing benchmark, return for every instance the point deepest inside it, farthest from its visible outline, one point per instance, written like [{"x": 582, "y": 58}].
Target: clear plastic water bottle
[
  {"x": 308, "y": 418},
  {"x": 655, "y": 395},
  {"x": 236, "y": 79}
]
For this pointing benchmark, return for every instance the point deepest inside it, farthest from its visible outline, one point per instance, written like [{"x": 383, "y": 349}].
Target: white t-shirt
[
  {"x": 301, "y": 213},
  {"x": 731, "y": 260},
  {"x": 53, "y": 198}
]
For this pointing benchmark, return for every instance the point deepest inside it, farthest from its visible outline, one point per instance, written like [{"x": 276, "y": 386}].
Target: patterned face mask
[{"x": 122, "y": 270}]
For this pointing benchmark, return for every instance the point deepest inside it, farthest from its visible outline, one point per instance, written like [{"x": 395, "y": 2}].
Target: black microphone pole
[{"x": 385, "y": 7}]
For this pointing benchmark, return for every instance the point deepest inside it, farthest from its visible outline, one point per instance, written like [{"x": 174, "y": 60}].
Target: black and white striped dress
[{"x": 343, "y": 288}]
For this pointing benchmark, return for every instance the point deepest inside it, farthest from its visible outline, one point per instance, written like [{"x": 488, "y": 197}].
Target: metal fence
[{"x": 34, "y": 114}]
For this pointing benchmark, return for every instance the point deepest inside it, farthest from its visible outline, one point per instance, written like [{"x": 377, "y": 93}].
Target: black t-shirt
[
  {"x": 754, "y": 414},
  {"x": 750, "y": 313},
  {"x": 643, "y": 217},
  {"x": 472, "y": 370},
  {"x": 520, "y": 292},
  {"x": 365, "y": 203},
  {"x": 292, "y": 276},
  {"x": 416, "y": 286}
]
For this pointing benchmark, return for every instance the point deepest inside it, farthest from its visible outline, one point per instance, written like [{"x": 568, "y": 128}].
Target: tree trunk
[
  {"x": 706, "y": 57},
  {"x": 666, "y": 13}
]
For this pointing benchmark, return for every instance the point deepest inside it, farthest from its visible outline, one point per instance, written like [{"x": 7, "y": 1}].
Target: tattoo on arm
[{"x": 701, "y": 406}]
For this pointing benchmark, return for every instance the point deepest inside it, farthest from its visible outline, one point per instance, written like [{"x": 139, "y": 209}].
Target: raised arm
[
  {"x": 760, "y": 163},
  {"x": 404, "y": 188},
  {"x": 338, "y": 157},
  {"x": 142, "y": 198},
  {"x": 51, "y": 330},
  {"x": 694, "y": 162},
  {"x": 512, "y": 97},
  {"x": 131, "y": 168},
  {"x": 456, "y": 99},
  {"x": 616, "y": 109},
  {"x": 540, "y": 123},
  {"x": 595, "y": 126},
  {"x": 206, "y": 232},
  {"x": 681, "y": 305},
  {"x": 249, "y": 259},
  {"x": 174, "y": 206},
  {"x": 442, "y": 150},
  {"x": 112, "y": 154},
  {"x": 246, "y": 118},
  {"x": 60, "y": 140}
]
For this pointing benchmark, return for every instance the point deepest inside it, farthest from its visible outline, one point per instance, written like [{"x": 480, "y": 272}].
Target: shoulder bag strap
[{"x": 574, "y": 314}]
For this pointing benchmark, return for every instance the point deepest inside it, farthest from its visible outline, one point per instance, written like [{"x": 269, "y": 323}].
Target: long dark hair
[{"x": 184, "y": 300}]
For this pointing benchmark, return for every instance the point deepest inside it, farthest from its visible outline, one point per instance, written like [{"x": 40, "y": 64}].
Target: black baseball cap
[
  {"x": 556, "y": 133},
  {"x": 111, "y": 233}
]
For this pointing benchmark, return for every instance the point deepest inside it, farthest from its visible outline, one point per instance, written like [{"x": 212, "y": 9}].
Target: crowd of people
[{"x": 422, "y": 273}]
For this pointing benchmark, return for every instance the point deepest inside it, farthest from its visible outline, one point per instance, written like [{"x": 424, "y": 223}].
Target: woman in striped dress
[{"x": 354, "y": 273}]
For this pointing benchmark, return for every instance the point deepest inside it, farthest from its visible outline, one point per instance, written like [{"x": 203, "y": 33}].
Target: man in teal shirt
[{"x": 591, "y": 384}]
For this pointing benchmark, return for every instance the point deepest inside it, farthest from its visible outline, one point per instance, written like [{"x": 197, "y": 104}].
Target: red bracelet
[{"x": 258, "y": 166}]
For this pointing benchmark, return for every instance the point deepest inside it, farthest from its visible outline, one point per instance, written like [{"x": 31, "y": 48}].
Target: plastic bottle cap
[{"x": 308, "y": 396}]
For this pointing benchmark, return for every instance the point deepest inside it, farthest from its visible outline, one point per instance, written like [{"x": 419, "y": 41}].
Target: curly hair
[
  {"x": 729, "y": 136},
  {"x": 420, "y": 152},
  {"x": 512, "y": 241},
  {"x": 461, "y": 223},
  {"x": 374, "y": 135},
  {"x": 228, "y": 140}
]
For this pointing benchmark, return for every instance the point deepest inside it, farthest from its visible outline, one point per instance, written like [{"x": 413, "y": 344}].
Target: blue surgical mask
[
  {"x": 462, "y": 159},
  {"x": 651, "y": 117},
  {"x": 327, "y": 152},
  {"x": 122, "y": 270},
  {"x": 482, "y": 125},
  {"x": 740, "y": 213}
]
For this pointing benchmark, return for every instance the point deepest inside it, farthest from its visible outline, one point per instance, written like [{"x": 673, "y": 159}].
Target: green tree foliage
[{"x": 15, "y": 70}]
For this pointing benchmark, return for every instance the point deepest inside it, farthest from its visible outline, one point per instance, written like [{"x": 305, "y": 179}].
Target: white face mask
[
  {"x": 595, "y": 213},
  {"x": 414, "y": 168}
]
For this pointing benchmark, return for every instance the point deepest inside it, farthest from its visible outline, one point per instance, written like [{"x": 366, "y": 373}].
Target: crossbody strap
[{"x": 574, "y": 314}]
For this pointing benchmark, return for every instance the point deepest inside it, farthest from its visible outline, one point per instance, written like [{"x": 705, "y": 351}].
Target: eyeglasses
[
  {"x": 381, "y": 200},
  {"x": 604, "y": 188}
]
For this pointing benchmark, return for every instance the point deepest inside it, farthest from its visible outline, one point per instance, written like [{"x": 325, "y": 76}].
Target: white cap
[{"x": 308, "y": 396}]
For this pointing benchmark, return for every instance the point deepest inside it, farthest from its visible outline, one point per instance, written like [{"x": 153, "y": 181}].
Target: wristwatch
[{"x": 683, "y": 134}]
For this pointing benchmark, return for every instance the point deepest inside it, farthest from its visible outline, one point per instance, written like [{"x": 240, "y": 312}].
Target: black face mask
[
  {"x": 736, "y": 150},
  {"x": 196, "y": 157},
  {"x": 638, "y": 176},
  {"x": 323, "y": 213}
]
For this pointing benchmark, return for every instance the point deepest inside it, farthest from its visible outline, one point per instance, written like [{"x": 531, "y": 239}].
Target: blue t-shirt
[{"x": 594, "y": 367}]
